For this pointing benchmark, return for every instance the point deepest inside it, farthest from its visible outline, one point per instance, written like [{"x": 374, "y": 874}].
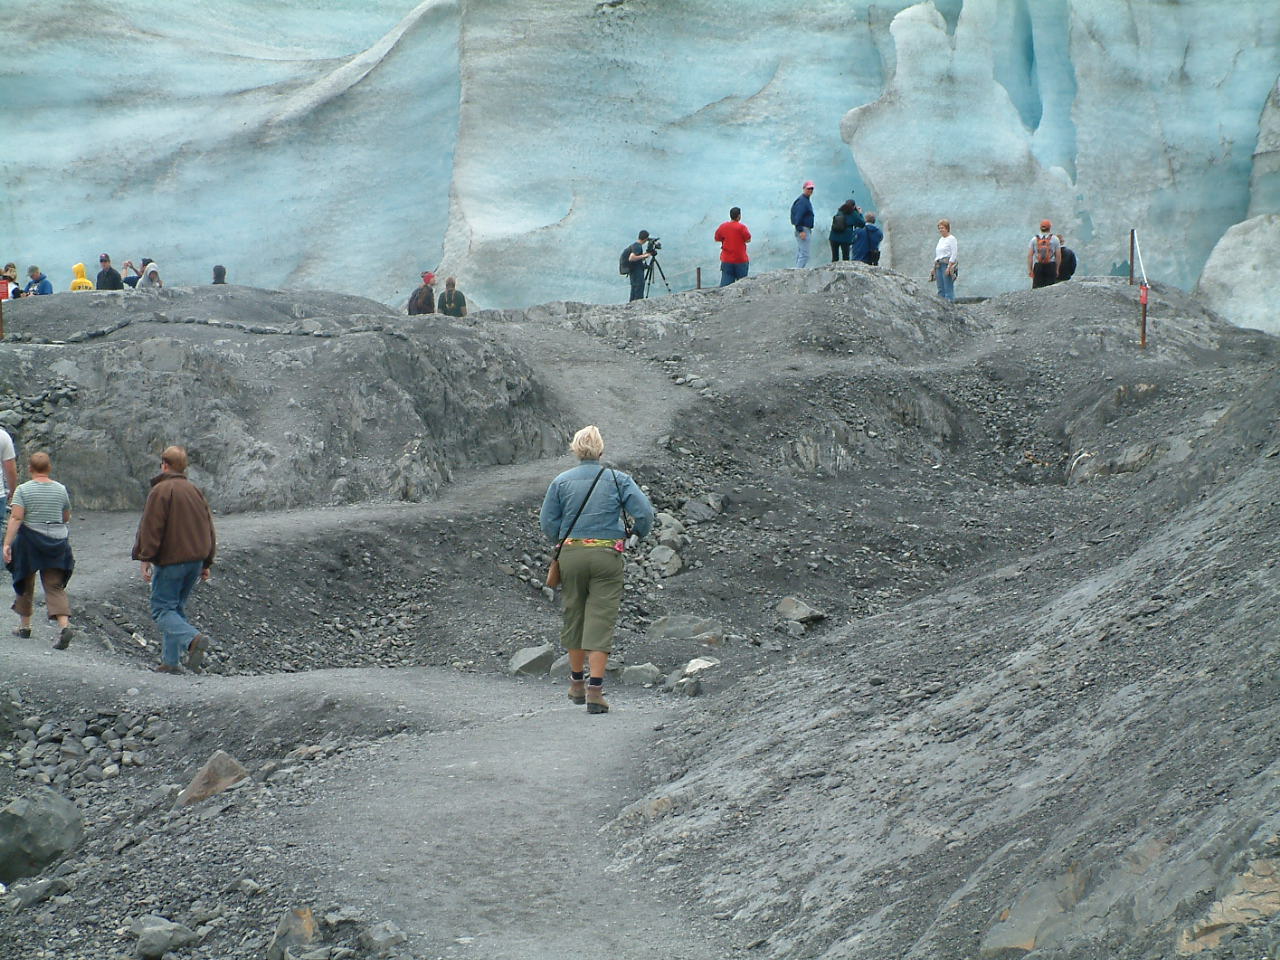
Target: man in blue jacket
[
  {"x": 38, "y": 285},
  {"x": 802, "y": 220},
  {"x": 867, "y": 247}
]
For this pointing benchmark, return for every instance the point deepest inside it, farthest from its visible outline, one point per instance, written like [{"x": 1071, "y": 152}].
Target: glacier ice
[{"x": 518, "y": 144}]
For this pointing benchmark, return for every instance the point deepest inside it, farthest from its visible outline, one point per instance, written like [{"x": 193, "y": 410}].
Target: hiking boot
[
  {"x": 577, "y": 692},
  {"x": 198, "y": 647},
  {"x": 596, "y": 703},
  {"x": 167, "y": 668},
  {"x": 64, "y": 639},
  {"x": 23, "y": 632}
]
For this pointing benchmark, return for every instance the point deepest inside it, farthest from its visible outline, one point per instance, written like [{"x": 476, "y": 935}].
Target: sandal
[{"x": 64, "y": 639}]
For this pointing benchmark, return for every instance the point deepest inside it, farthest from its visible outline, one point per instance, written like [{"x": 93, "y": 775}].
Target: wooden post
[
  {"x": 1132, "y": 234},
  {"x": 699, "y": 278},
  {"x": 1142, "y": 298}
]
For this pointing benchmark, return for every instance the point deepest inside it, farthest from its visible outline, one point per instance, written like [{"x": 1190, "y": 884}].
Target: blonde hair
[
  {"x": 587, "y": 443},
  {"x": 176, "y": 458},
  {"x": 39, "y": 463}
]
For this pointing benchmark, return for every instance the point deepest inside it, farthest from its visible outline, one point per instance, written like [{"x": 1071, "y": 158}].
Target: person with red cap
[
  {"x": 1044, "y": 258},
  {"x": 802, "y": 220},
  {"x": 423, "y": 299}
]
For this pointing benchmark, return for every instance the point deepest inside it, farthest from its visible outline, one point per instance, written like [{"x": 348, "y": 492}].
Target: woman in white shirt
[{"x": 944, "y": 262}]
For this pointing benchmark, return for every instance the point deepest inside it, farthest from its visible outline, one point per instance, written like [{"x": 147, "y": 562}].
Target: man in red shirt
[{"x": 733, "y": 237}]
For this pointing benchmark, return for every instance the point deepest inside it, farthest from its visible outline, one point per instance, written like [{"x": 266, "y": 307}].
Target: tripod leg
[{"x": 660, "y": 273}]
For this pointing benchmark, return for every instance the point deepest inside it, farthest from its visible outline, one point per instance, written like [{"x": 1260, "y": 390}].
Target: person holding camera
[{"x": 638, "y": 258}]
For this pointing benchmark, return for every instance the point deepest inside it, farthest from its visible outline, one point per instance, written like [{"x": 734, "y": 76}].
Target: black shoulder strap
[
  {"x": 626, "y": 520},
  {"x": 582, "y": 506}
]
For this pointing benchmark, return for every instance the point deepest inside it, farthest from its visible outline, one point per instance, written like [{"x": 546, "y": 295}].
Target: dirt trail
[{"x": 484, "y": 826}]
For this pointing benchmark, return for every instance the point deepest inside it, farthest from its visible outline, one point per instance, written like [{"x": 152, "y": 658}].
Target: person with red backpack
[{"x": 1044, "y": 258}]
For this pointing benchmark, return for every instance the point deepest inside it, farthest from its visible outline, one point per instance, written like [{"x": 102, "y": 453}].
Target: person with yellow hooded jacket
[{"x": 81, "y": 282}]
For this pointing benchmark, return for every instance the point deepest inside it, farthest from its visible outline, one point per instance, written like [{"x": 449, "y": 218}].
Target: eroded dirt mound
[{"x": 282, "y": 399}]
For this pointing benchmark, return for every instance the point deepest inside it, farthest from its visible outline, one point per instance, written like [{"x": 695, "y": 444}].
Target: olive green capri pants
[{"x": 591, "y": 590}]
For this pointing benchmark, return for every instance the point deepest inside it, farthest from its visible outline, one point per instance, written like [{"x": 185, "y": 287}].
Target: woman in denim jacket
[{"x": 591, "y": 558}]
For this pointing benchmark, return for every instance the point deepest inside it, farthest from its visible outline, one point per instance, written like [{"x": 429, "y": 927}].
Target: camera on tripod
[{"x": 654, "y": 245}]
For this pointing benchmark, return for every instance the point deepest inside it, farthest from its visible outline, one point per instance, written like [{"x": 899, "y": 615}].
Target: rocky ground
[{"x": 980, "y": 592}]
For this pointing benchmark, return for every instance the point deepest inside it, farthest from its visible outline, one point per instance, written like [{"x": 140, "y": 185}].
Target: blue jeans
[
  {"x": 171, "y": 585},
  {"x": 730, "y": 272},
  {"x": 946, "y": 282},
  {"x": 802, "y": 246}
]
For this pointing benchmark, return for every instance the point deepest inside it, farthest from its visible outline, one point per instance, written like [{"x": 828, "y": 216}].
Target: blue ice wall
[{"x": 519, "y": 143}]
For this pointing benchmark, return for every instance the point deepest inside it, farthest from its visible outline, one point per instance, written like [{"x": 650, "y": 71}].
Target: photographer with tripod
[{"x": 637, "y": 258}]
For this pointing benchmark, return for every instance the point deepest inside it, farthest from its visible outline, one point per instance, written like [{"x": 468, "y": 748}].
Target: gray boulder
[
  {"x": 695, "y": 511},
  {"x": 668, "y": 562},
  {"x": 532, "y": 661},
  {"x": 640, "y": 674},
  {"x": 35, "y": 831},
  {"x": 685, "y": 627},
  {"x": 157, "y": 936},
  {"x": 792, "y": 608},
  {"x": 26, "y": 894},
  {"x": 560, "y": 669}
]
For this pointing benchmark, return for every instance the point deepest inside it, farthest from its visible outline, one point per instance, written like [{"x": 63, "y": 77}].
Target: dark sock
[
  {"x": 596, "y": 682},
  {"x": 576, "y": 677}
]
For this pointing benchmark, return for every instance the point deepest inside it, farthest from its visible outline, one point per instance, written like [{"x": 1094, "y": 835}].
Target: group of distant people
[
  {"x": 423, "y": 299},
  {"x": 174, "y": 545},
  {"x": 857, "y": 236},
  {"x": 853, "y": 236},
  {"x": 1049, "y": 259},
  {"x": 145, "y": 275}
]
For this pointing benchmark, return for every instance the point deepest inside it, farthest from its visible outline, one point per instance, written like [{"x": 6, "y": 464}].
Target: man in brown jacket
[{"x": 175, "y": 544}]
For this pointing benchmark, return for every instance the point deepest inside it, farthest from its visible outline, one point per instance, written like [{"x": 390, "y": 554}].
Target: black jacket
[
  {"x": 33, "y": 552},
  {"x": 109, "y": 279}
]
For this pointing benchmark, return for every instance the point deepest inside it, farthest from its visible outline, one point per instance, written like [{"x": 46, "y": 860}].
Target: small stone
[
  {"x": 560, "y": 669},
  {"x": 380, "y": 938},
  {"x": 689, "y": 686},
  {"x": 219, "y": 772},
  {"x": 157, "y": 936},
  {"x": 297, "y": 928},
  {"x": 699, "y": 664}
]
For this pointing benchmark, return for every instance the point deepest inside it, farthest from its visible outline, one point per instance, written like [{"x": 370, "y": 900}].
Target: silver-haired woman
[{"x": 582, "y": 513}]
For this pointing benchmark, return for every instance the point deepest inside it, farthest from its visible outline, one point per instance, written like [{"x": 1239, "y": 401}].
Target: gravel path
[{"x": 480, "y": 823}]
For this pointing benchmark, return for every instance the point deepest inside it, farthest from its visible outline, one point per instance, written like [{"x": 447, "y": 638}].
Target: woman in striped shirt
[{"x": 35, "y": 541}]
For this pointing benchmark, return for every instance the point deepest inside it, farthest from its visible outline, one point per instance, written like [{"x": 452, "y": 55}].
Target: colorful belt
[{"x": 619, "y": 545}]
